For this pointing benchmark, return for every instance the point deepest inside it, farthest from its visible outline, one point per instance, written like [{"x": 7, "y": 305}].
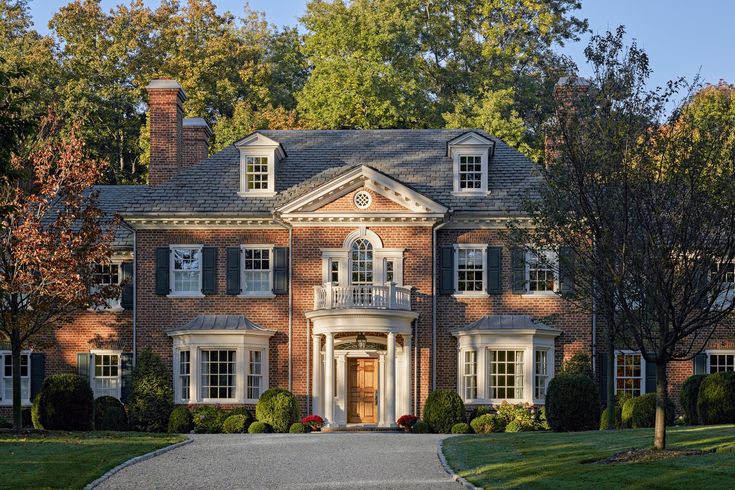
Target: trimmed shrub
[
  {"x": 478, "y": 410},
  {"x": 443, "y": 409},
  {"x": 522, "y": 415},
  {"x": 572, "y": 403},
  {"x": 298, "y": 428},
  {"x": 35, "y": 420},
  {"x": 66, "y": 403},
  {"x": 640, "y": 411},
  {"x": 461, "y": 428},
  {"x": 244, "y": 412},
  {"x": 152, "y": 396},
  {"x": 716, "y": 400},
  {"x": 604, "y": 422},
  {"x": 514, "y": 426},
  {"x": 484, "y": 424},
  {"x": 208, "y": 420},
  {"x": 278, "y": 408},
  {"x": 259, "y": 428},
  {"x": 688, "y": 397},
  {"x": 234, "y": 424},
  {"x": 109, "y": 414},
  {"x": 579, "y": 363},
  {"x": 420, "y": 427},
  {"x": 542, "y": 422},
  {"x": 180, "y": 421}
]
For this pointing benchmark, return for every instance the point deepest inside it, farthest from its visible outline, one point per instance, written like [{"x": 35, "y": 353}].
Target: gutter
[
  {"x": 280, "y": 221},
  {"x": 433, "y": 296}
]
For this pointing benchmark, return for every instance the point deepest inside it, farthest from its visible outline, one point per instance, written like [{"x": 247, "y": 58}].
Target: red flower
[
  {"x": 407, "y": 421},
  {"x": 313, "y": 421}
]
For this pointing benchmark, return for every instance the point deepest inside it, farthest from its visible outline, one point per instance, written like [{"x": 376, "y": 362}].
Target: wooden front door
[{"x": 362, "y": 391}]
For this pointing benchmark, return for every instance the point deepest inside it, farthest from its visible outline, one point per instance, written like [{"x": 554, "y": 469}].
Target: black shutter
[
  {"x": 602, "y": 373},
  {"x": 280, "y": 270},
  {"x": 83, "y": 359},
  {"x": 566, "y": 270},
  {"x": 494, "y": 265},
  {"x": 518, "y": 264},
  {"x": 126, "y": 279},
  {"x": 38, "y": 372},
  {"x": 446, "y": 270},
  {"x": 209, "y": 270},
  {"x": 700, "y": 363},
  {"x": 126, "y": 376},
  {"x": 651, "y": 375},
  {"x": 162, "y": 271},
  {"x": 233, "y": 271}
]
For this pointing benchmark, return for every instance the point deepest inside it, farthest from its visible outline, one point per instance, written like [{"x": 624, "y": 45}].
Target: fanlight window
[{"x": 362, "y": 262}]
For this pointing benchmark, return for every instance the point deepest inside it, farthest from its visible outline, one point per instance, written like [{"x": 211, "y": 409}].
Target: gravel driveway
[{"x": 321, "y": 460}]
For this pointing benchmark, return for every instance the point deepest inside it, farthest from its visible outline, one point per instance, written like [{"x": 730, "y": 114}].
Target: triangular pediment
[
  {"x": 258, "y": 140},
  {"x": 388, "y": 196},
  {"x": 470, "y": 139}
]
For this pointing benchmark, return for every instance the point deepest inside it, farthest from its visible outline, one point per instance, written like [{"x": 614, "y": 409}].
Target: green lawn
[
  {"x": 70, "y": 459},
  {"x": 557, "y": 460}
]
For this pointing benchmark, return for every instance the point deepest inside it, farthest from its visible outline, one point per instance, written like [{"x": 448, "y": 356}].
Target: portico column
[
  {"x": 316, "y": 372},
  {"x": 390, "y": 381},
  {"x": 329, "y": 379},
  {"x": 407, "y": 372}
]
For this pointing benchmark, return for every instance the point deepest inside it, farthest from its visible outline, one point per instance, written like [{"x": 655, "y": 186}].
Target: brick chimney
[
  {"x": 166, "y": 105},
  {"x": 567, "y": 93},
  {"x": 196, "y": 140}
]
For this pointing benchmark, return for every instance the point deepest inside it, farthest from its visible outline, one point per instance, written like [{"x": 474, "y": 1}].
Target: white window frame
[
  {"x": 9, "y": 402},
  {"x": 249, "y": 374},
  {"x": 726, "y": 296},
  {"x": 180, "y": 376},
  {"x": 244, "y": 190},
  {"x": 243, "y": 282},
  {"x": 524, "y": 375},
  {"x": 643, "y": 370},
  {"x": 113, "y": 304},
  {"x": 236, "y": 374},
  {"x": 553, "y": 258},
  {"x": 464, "y": 375},
  {"x": 92, "y": 374},
  {"x": 342, "y": 256},
  {"x": 172, "y": 282},
  {"x": 467, "y": 246},
  {"x": 719, "y": 352},
  {"x": 483, "y": 154},
  {"x": 549, "y": 365}
]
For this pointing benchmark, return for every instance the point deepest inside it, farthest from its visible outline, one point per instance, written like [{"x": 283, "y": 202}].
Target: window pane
[
  {"x": 470, "y": 172},
  {"x": 106, "y": 375},
  {"x": 628, "y": 373},
  {"x": 506, "y": 374},
  {"x": 541, "y": 275},
  {"x": 186, "y": 269},
  {"x": 470, "y": 269},
  {"x": 218, "y": 376},
  {"x": 256, "y": 169},
  {"x": 541, "y": 373},
  {"x": 257, "y": 270}
]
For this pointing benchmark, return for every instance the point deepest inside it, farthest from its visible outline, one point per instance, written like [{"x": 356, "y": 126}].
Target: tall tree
[
  {"x": 640, "y": 202},
  {"x": 50, "y": 235}
]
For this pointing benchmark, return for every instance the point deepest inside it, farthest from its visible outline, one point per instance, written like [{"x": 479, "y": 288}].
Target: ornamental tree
[{"x": 51, "y": 233}]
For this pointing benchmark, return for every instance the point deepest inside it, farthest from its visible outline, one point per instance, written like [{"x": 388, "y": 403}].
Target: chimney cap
[
  {"x": 197, "y": 122},
  {"x": 166, "y": 84}
]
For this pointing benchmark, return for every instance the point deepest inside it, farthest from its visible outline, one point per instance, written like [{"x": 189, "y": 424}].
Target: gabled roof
[
  {"x": 417, "y": 158},
  {"x": 209, "y": 323}
]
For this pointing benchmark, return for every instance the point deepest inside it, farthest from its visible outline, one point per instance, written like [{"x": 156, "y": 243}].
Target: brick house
[{"x": 359, "y": 269}]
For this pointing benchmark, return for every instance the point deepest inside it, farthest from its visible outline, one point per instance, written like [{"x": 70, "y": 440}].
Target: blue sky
[{"x": 682, "y": 38}]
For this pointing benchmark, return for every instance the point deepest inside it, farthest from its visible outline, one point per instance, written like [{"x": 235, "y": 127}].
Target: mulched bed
[{"x": 644, "y": 455}]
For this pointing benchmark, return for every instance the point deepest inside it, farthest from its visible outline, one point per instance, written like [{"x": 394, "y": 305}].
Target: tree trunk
[
  {"x": 659, "y": 441},
  {"x": 610, "y": 388},
  {"x": 15, "y": 349}
]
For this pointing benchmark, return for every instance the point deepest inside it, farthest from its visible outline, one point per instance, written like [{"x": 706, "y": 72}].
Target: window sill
[
  {"x": 185, "y": 295},
  {"x": 541, "y": 294},
  {"x": 476, "y": 294},
  {"x": 257, "y": 194},
  {"x": 257, "y": 296},
  {"x": 111, "y": 309},
  {"x": 471, "y": 193}
]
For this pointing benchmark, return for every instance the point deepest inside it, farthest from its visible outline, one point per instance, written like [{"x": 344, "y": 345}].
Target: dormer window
[
  {"x": 256, "y": 169},
  {"x": 470, "y": 154},
  {"x": 259, "y": 156}
]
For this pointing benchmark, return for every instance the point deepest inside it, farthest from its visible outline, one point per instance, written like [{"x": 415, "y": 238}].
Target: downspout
[
  {"x": 135, "y": 297},
  {"x": 278, "y": 220},
  {"x": 308, "y": 366},
  {"x": 415, "y": 366},
  {"x": 433, "y": 297}
]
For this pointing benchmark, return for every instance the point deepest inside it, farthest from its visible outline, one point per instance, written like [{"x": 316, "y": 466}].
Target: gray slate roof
[
  {"x": 504, "y": 322},
  {"x": 111, "y": 200},
  {"x": 222, "y": 322},
  {"x": 416, "y": 158}
]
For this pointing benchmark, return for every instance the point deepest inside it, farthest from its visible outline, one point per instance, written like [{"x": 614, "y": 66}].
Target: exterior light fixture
[{"x": 361, "y": 341}]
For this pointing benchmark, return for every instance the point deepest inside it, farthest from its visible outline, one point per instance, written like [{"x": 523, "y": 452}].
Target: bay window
[
  {"x": 541, "y": 374},
  {"x": 506, "y": 374},
  {"x": 185, "y": 374},
  {"x": 218, "y": 374},
  {"x": 255, "y": 374},
  {"x": 470, "y": 375}
]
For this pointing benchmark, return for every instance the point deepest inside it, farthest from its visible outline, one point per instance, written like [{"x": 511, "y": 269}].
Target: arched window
[{"x": 361, "y": 259}]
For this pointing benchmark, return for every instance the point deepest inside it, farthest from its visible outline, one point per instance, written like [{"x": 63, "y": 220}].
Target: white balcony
[{"x": 389, "y": 297}]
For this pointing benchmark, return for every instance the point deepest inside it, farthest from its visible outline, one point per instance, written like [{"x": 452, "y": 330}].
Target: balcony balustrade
[{"x": 388, "y": 297}]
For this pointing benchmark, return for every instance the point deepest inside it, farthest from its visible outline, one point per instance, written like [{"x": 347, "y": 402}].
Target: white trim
[
  {"x": 552, "y": 258},
  {"x": 213, "y": 222},
  {"x": 716, "y": 352},
  {"x": 92, "y": 376},
  {"x": 470, "y": 294},
  {"x": 256, "y": 294},
  {"x": 473, "y": 151},
  {"x": 172, "y": 282},
  {"x": 360, "y": 194},
  {"x": 113, "y": 305},
  {"x": 25, "y": 402},
  {"x": 615, "y": 369}
]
